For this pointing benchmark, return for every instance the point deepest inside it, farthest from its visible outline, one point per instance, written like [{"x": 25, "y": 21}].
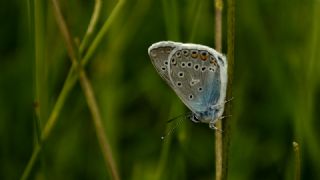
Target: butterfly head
[{"x": 211, "y": 115}]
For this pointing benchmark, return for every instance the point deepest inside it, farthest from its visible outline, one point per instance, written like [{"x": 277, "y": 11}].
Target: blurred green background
[{"x": 276, "y": 91}]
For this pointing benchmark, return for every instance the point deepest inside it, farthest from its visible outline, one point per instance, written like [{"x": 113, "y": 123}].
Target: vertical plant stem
[
  {"x": 218, "y": 24},
  {"x": 88, "y": 91},
  {"x": 218, "y": 45},
  {"x": 226, "y": 124},
  {"x": 40, "y": 66},
  {"x": 297, "y": 160},
  {"x": 223, "y": 139},
  {"x": 36, "y": 28}
]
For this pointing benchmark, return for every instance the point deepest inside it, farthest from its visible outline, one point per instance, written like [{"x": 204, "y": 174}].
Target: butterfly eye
[
  {"x": 190, "y": 96},
  {"x": 181, "y": 74},
  {"x": 194, "y": 53},
  {"x": 204, "y": 55},
  {"x": 185, "y": 52},
  {"x": 196, "y": 66},
  {"x": 178, "y": 54}
]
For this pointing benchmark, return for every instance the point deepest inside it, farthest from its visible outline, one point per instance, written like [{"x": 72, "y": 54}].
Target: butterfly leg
[
  {"x": 226, "y": 101},
  {"x": 221, "y": 104},
  {"x": 212, "y": 126},
  {"x": 213, "y": 122}
]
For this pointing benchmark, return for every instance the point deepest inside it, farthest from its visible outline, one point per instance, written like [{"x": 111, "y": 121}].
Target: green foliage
[{"x": 276, "y": 91}]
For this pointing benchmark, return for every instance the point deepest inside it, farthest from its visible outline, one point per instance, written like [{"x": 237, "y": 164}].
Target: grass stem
[
  {"x": 218, "y": 46},
  {"x": 69, "y": 84},
  {"x": 88, "y": 91},
  {"x": 92, "y": 25},
  {"x": 297, "y": 160},
  {"x": 223, "y": 139}
]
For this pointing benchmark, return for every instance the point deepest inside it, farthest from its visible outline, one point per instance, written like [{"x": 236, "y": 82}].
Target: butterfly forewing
[{"x": 159, "y": 53}]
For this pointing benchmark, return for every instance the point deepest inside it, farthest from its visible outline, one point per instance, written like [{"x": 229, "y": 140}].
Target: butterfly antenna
[
  {"x": 174, "y": 127},
  {"x": 226, "y": 116},
  {"x": 182, "y": 115}
]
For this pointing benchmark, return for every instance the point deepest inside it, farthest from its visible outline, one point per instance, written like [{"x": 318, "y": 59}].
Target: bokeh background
[{"x": 276, "y": 91}]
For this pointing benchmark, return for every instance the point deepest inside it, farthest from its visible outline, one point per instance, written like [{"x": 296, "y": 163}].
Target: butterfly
[{"x": 197, "y": 74}]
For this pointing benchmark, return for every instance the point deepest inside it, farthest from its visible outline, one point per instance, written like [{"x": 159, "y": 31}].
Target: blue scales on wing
[{"x": 195, "y": 74}]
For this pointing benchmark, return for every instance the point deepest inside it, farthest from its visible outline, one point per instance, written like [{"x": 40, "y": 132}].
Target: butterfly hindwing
[{"x": 195, "y": 73}]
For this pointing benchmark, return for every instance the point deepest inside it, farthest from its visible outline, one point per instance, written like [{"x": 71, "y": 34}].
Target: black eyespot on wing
[
  {"x": 178, "y": 53},
  {"x": 211, "y": 69},
  {"x": 185, "y": 52},
  {"x": 191, "y": 96},
  {"x": 189, "y": 64},
  {"x": 173, "y": 61},
  {"x": 194, "y": 53},
  {"x": 203, "y": 69},
  {"x": 181, "y": 74},
  {"x": 213, "y": 61},
  {"x": 196, "y": 66},
  {"x": 204, "y": 55},
  {"x": 194, "y": 81}
]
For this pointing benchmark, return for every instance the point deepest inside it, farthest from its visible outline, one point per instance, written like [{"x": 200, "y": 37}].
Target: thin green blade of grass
[
  {"x": 67, "y": 87},
  {"x": 88, "y": 92}
]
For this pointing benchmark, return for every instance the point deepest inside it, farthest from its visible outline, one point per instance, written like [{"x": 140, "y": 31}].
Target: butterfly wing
[
  {"x": 159, "y": 54},
  {"x": 198, "y": 74}
]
